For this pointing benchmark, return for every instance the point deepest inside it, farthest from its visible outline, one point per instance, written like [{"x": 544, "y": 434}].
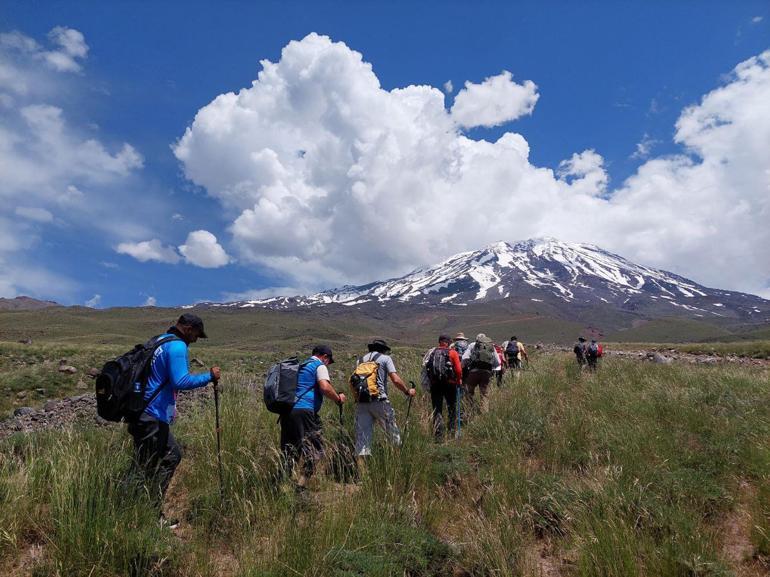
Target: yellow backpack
[{"x": 363, "y": 381}]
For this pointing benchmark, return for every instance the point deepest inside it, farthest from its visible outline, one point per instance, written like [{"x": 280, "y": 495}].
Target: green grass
[{"x": 631, "y": 471}]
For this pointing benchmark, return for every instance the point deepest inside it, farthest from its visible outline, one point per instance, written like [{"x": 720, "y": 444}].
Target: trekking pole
[
  {"x": 219, "y": 440},
  {"x": 340, "y": 408},
  {"x": 409, "y": 408}
]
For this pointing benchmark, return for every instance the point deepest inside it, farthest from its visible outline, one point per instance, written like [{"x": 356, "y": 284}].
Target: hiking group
[
  {"x": 587, "y": 355},
  {"x": 141, "y": 386}
]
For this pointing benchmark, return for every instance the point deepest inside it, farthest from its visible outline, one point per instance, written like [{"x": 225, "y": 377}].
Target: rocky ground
[{"x": 56, "y": 414}]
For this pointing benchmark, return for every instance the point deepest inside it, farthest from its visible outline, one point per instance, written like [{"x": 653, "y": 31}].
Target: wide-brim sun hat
[
  {"x": 460, "y": 337},
  {"x": 482, "y": 338},
  {"x": 378, "y": 345}
]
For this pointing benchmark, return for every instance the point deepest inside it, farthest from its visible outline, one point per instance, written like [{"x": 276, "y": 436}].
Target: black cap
[
  {"x": 581, "y": 339},
  {"x": 378, "y": 345},
  {"x": 323, "y": 350},
  {"x": 191, "y": 320},
  {"x": 444, "y": 339}
]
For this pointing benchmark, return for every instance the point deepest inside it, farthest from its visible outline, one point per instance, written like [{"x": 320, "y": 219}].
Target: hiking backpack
[
  {"x": 122, "y": 382},
  {"x": 439, "y": 366},
  {"x": 280, "y": 390},
  {"x": 363, "y": 381},
  {"x": 512, "y": 349},
  {"x": 483, "y": 356},
  {"x": 460, "y": 347},
  {"x": 593, "y": 350},
  {"x": 600, "y": 350}
]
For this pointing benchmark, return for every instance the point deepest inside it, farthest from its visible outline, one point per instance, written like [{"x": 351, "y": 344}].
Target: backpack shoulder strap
[{"x": 158, "y": 342}]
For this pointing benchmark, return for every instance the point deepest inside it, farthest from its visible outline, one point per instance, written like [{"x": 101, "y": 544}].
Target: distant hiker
[
  {"x": 301, "y": 428},
  {"x": 580, "y": 352},
  {"x": 481, "y": 359},
  {"x": 515, "y": 353},
  {"x": 500, "y": 370},
  {"x": 156, "y": 452},
  {"x": 370, "y": 387},
  {"x": 460, "y": 344},
  {"x": 445, "y": 373},
  {"x": 592, "y": 353}
]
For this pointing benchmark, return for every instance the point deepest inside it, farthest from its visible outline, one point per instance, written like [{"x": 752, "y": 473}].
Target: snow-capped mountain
[{"x": 545, "y": 271}]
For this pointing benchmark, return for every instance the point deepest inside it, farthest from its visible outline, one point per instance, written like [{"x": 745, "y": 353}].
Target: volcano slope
[{"x": 639, "y": 469}]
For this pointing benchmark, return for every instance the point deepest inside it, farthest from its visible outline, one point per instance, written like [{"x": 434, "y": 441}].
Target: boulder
[
  {"x": 22, "y": 411},
  {"x": 50, "y": 406},
  {"x": 67, "y": 369},
  {"x": 661, "y": 360},
  {"x": 40, "y": 391}
]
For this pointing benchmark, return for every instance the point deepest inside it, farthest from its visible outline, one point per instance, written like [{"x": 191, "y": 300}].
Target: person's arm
[
  {"x": 456, "y": 365},
  {"x": 467, "y": 353},
  {"x": 329, "y": 392},
  {"x": 396, "y": 380},
  {"x": 524, "y": 352},
  {"x": 496, "y": 364},
  {"x": 179, "y": 373}
]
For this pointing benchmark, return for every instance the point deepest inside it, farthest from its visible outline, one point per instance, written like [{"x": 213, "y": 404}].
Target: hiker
[
  {"x": 580, "y": 352},
  {"x": 445, "y": 374},
  {"x": 301, "y": 435},
  {"x": 460, "y": 344},
  {"x": 592, "y": 353},
  {"x": 500, "y": 370},
  {"x": 376, "y": 407},
  {"x": 481, "y": 359},
  {"x": 156, "y": 452},
  {"x": 515, "y": 353}
]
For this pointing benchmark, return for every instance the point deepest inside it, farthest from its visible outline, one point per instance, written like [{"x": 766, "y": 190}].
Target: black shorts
[{"x": 301, "y": 436}]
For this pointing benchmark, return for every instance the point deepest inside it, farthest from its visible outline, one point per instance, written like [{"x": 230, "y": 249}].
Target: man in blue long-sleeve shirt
[{"x": 156, "y": 452}]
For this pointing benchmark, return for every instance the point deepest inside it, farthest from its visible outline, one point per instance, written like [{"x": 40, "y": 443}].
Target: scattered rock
[
  {"x": 22, "y": 411},
  {"x": 63, "y": 361},
  {"x": 67, "y": 369},
  {"x": 21, "y": 395},
  {"x": 25, "y": 341},
  {"x": 50, "y": 406},
  {"x": 93, "y": 372},
  {"x": 659, "y": 359},
  {"x": 40, "y": 391}
]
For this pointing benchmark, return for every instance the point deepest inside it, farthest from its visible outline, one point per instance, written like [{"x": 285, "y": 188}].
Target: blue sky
[{"x": 610, "y": 84}]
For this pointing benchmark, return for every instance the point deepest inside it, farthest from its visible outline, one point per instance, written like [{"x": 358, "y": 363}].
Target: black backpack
[
  {"x": 439, "y": 366},
  {"x": 512, "y": 349},
  {"x": 280, "y": 390},
  {"x": 122, "y": 382},
  {"x": 593, "y": 350}
]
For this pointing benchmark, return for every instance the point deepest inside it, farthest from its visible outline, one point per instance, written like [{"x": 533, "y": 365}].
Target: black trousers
[
  {"x": 301, "y": 438},
  {"x": 438, "y": 394},
  {"x": 156, "y": 454}
]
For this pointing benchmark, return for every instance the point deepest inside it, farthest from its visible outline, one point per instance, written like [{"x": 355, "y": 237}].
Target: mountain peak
[{"x": 541, "y": 270}]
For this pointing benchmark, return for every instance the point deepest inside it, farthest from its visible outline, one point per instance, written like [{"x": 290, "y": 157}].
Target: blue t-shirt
[
  {"x": 308, "y": 391},
  {"x": 170, "y": 371}
]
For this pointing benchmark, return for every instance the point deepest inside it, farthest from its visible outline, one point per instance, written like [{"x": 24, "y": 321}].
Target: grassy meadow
[{"x": 637, "y": 470}]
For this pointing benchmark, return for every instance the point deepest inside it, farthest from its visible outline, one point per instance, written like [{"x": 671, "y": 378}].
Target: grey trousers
[{"x": 367, "y": 414}]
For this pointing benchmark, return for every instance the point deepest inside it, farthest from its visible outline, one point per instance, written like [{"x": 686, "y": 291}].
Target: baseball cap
[
  {"x": 191, "y": 320},
  {"x": 323, "y": 350}
]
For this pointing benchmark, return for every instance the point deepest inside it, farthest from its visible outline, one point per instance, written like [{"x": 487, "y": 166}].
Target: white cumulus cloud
[
  {"x": 149, "y": 250},
  {"x": 94, "y": 301},
  {"x": 150, "y": 302},
  {"x": 495, "y": 101},
  {"x": 202, "y": 249},
  {"x": 34, "y": 213},
  {"x": 330, "y": 178}
]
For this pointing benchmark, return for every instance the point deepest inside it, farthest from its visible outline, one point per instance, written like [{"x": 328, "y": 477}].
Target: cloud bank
[{"x": 329, "y": 178}]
